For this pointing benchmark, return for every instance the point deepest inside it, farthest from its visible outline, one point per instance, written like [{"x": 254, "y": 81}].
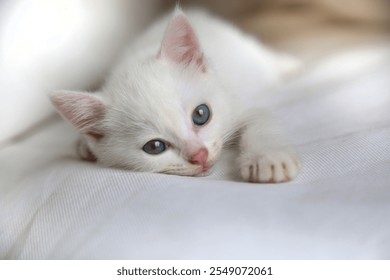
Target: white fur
[{"x": 149, "y": 95}]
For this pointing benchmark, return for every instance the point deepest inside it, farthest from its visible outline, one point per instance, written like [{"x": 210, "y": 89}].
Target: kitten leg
[
  {"x": 83, "y": 150},
  {"x": 265, "y": 154}
]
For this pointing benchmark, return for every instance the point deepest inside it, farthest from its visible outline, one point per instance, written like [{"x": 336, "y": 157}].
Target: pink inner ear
[
  {"x": 180, "y": 43},
  {"x": 80, "y": 109}
]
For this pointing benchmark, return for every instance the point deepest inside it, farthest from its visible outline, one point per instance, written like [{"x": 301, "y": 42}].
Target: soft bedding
[{"x": 54, "y": 206}]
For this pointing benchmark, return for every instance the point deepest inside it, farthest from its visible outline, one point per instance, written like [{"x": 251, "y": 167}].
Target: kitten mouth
[
  {"x": 195, "y": 170},
  {"x": 205, "y": 169},
  {"x": 204, "y": 172}
]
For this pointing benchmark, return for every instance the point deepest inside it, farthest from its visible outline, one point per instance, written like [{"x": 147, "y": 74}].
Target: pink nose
[{"x": 200, "y": 157}]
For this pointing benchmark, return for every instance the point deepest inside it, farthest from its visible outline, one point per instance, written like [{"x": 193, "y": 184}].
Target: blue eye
[
  {"x": 201, "y": 115},
  {"x": 154, "y": 147}
]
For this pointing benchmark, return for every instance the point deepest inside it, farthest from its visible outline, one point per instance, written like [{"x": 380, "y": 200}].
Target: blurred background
[
  {"x": 54, "y": 44},
  {"x": 295, "y": 25}
]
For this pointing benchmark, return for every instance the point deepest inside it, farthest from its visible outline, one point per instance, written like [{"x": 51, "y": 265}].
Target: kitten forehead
[
  {"x": 154, "y": 90},
  {"x": 147, "y": 100}
]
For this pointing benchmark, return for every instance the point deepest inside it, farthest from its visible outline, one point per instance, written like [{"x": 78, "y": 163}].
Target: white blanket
[{"x": 54, "y": 206}]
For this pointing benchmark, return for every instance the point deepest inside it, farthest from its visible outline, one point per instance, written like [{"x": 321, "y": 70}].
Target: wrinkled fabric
[{"x": 54, "y": 206}]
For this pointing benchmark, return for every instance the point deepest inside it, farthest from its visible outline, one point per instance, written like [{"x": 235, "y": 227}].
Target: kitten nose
[{"x": 200, "y": 157}]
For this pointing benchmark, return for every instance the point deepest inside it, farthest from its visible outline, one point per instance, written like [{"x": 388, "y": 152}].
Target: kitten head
[{"x": 162, "y": 112}]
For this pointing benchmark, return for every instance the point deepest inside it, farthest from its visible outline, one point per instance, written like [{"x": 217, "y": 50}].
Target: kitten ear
[
  {"x": 180, "y": 43},
  {"x": 83, "y": 110}
]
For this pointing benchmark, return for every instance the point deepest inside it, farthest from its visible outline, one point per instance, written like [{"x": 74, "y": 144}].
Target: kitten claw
[{"x": 270, "y": 167}]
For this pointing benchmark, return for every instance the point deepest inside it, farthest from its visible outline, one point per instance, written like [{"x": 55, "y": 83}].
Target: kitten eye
[
  {"x": 201, "y": 114},
  {"x": 154, "y": 147}
]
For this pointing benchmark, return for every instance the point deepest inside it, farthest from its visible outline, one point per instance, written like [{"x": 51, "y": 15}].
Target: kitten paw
[{"x": 270, "y": 167}]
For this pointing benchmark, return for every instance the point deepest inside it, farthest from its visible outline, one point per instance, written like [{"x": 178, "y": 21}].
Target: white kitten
[{"x": 178, "y": 96}]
